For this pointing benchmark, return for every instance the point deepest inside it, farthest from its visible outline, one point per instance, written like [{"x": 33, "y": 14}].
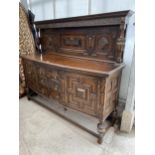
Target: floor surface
[{"x": 44, "y": 133}]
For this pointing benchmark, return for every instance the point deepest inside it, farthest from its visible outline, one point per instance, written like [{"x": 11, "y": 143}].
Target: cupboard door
[
  {"x": 48, "y": 82},
  {"x": 51, "y": 83},
  {"x": 82, "y": 93}
]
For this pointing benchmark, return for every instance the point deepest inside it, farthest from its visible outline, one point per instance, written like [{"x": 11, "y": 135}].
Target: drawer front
[{"x": 82, "y": 93}]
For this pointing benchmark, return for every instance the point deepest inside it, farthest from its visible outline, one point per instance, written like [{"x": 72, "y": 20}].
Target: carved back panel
[
  {"x": 100, "y": 36},
  {"x": 99, "y": 43}
]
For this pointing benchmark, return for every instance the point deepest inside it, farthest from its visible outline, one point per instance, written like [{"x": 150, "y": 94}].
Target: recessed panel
[
  {"x": 98, "y": 43},
  {"x": 82, "y": 93}
]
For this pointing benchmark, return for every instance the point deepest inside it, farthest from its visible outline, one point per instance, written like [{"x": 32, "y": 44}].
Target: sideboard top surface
[{"x": 65, "y": 62}]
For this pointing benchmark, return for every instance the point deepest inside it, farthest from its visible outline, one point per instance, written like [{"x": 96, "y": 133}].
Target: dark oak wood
[
  {"x": 113, "y": 18},
  {"x": 81, "y": 63}
]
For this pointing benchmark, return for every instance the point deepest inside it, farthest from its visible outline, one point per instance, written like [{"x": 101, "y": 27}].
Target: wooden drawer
[{"x": 82, "y": 93}]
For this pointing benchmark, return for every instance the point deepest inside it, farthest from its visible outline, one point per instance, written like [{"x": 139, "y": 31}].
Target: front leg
[
  {"x": 101, "y": 130},
  {"x": 30, "y": 93}
]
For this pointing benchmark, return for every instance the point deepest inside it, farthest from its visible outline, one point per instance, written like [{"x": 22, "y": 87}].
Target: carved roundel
[
  {"x": 47, "y": 42},
  {"x": 103, "y": 44}
]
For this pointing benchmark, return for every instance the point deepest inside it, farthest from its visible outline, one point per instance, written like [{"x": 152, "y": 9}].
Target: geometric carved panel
[
  {"x": 73, "y": 42},
  {"x": 47, "y": 42},
  {"x": 82, "y": 93},
  {"x": 103, "y": 45},
  {"x": 99, "y": 43},
  {"x": 48, "y": 80}
]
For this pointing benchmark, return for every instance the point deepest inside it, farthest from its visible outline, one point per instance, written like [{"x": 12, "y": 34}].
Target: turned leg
[
  {"x": 28, "y": 97},
  {"x": 100, "y": 139},
  {"x": 101, "y": 130},
  {"x": 65, "y": 109},
  {"x": 113, "y": 117},
  {"x": 30, "y": 93}
]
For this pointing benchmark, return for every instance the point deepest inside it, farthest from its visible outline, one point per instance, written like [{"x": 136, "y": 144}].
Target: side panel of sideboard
[{"x": 111, "y": 93}]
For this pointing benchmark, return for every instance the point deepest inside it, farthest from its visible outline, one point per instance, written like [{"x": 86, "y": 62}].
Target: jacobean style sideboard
[{"x": 79, "y": 63}]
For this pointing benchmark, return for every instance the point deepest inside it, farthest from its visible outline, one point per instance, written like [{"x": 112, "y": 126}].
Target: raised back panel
[
  {"x": 100, "y": 36},
  {"x": 96, "y": 42}
]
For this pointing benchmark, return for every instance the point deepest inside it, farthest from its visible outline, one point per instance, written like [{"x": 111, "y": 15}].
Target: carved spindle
[
  {"x": 120, "y": 42},
  {"x": 101, "y": 130}
]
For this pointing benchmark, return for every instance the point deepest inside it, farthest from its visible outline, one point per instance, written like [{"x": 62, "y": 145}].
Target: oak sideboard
[{"x": 79, "y": 63}]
